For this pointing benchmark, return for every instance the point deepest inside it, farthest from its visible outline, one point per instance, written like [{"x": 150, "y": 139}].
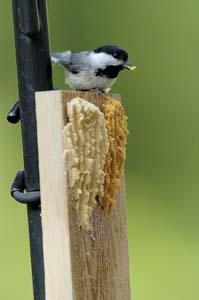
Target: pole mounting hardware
[
  {"x": 18, "y": 187},
  {"x": 14, "y": 114}
]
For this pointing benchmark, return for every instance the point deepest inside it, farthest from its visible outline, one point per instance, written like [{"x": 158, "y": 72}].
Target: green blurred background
[{"x": 161, "y": 101}]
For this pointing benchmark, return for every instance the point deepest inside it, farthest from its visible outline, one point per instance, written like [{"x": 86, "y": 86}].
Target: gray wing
[{"x": 74, "y": 62}]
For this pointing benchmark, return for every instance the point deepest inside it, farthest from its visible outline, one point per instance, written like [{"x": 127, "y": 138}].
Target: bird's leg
[{"x": 96, "y": 90}]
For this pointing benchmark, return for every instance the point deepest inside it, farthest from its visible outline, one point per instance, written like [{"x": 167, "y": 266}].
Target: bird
[{"x": 93, "y": 70}]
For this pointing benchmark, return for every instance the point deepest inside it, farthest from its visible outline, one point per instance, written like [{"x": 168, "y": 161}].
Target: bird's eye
[{"x": 116, "y": 55}]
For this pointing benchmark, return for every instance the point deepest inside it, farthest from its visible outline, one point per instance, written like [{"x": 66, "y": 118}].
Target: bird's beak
[{"x": 129, "y": 67}]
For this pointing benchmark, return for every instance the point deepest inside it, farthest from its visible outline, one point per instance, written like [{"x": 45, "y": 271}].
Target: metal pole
[{"x": 34, "y": 74}]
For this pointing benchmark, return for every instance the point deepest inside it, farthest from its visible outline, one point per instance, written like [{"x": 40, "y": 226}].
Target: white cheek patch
[{"x": 102, "y": 60}]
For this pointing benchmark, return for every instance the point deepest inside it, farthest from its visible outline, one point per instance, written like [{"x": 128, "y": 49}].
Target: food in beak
[{"x": 129, "y": 67}]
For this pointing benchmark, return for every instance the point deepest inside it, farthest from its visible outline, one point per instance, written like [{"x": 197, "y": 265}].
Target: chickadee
[{"x": 95, "y": 70}]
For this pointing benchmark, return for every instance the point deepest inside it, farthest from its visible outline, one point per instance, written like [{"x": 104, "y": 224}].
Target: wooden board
[{"x": 77, "y": 266}]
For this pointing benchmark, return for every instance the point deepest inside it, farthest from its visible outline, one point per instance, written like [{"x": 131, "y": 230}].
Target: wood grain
[{"x": 78, "y": 265}]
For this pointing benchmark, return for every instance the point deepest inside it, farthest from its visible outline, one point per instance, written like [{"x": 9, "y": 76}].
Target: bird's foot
[{"x": 96, "y": 90}]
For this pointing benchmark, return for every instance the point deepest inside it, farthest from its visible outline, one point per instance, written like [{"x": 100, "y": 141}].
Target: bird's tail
[{"x": 61, "y": 58}]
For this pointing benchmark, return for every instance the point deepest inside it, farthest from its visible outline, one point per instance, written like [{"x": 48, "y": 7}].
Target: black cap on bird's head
[{"x": 118, "y": 54}]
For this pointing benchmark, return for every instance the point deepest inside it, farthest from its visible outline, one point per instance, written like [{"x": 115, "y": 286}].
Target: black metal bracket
[
  {"x": 18, "y": 187},
  {"x": 14, "y": 114}
]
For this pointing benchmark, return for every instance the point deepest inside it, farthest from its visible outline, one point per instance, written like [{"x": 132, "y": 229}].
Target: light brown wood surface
[{"x": 78, "y": 265}]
